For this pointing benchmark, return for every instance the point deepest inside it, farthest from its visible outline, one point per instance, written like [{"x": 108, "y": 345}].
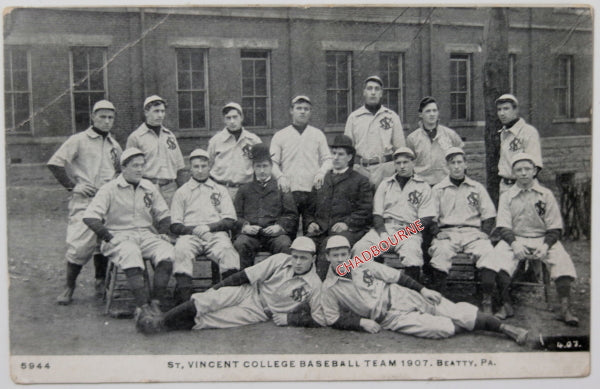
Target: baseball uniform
[
  {"x": 375, "y": 137},
  {"x": 399, "y": 208},
  {"x": 163, "y": 157},
  {"x": 520, "y": 138},
  {"x": 460, "y": 211},
  {"x": 529, "y": 214},
  {"x": 273, "y": 288},
  {"x": 197, "y": 203},
  {"x": 91, "y": 159},
  {"x": 371, "y": 291},
  {"x": 231, "y": 161},
  {"x": 430, "y": 163}
]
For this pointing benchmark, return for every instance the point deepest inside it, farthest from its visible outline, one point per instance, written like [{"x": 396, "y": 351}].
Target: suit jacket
[
  {"x": 265, "y": 206},
  {"x": 346, "y": 197}
]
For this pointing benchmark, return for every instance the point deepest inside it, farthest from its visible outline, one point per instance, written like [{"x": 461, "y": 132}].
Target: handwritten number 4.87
[
  {"x": 31, "y": 366},
  {"x": 568, "y": 344}
]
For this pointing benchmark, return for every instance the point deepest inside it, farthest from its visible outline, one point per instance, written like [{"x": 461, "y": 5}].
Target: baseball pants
[
  {"x": 228, "y": 307},
  {"x": 558, "y": 260},
  {"x": 247, "y": 246},
  {"x": 449, "y": 241},
  {"x": 376, "y": 173},
  {"x": 215, "y": 245},
  {"x": 410, "y": 313},
  {"x": 409, "y": 249},
  {"x": 82, "y": 242},
  {"x": 138, "y": 245}
]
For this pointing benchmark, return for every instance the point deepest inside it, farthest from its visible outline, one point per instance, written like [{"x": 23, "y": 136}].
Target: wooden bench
[{"x": 116, "y": 287}]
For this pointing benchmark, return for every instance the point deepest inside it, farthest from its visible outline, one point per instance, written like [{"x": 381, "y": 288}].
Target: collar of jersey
[
  {"x": 446, "y": 182},
  {"x": 514, "y": 129},
  {"x": 147, "y": 129},
  {"x": 363, "y": 110},
  {"x": 195, "y": 184},
  {"x": 124, "y": 184},
  {"x": 515, "y": 190}
]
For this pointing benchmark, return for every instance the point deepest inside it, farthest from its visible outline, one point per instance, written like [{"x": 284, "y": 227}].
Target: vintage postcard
[{"x": 291, "y": 192}]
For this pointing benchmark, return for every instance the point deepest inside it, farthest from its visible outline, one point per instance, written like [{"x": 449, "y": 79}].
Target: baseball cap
[
  {"x": 524, "y": 157},
  {"x": 337, "y": 241},
  {"x": 232, "y": 105},
  {"x": 302, "y": 243},
  {"x": 129, "y": 153},
  {"x": 103, "y": 104},
  {"x": 152, "y": 99},
  {"x": 425, "y": 101},
  {"x": 453, "y": 151},
  {"x": 506, "y": 98},
  {"x": 199, "y": 153},
  {"x": 374, "y": 78},
  {"x": 301, "y": 98},
  {"x": 405, "y": 151}
]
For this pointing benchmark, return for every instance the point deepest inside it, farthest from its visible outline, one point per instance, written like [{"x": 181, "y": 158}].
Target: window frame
[
  {"x": 400, "y": 90},
  {"x": 512, "y": 73},
  {"x": 467, "y": 58},
  {"x": 8, "y": 49},
  {"x": 567, "y": 88},
  {"x": 268, "y": 96},
  {"x": 73, "y": 92},
  {"x": 349, "y": 89},
  {"x": 206, "y": 90}
]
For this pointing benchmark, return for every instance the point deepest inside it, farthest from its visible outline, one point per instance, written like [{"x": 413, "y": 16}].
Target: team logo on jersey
[
  {"x": 215, "y": 199},
  {"x": 540, "y": 208},
  {"x": 386, "y": 123},
  {"x": 473, "y": 199},
  {"x": 368, "y": 278},
  {"x": 415, "y": 197},
  {"x": 171, "y": 143},
  {"x": 148, "y": 199},
  {"x": 247, "y": 150},
  {"x": 114, "y": 158},
  {"x": 515, "y": 145},
  {"x": 299, "y": 294}
]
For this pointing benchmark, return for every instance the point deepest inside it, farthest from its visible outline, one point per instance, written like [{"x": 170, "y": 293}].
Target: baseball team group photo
[{"x": 208, "y": 180}]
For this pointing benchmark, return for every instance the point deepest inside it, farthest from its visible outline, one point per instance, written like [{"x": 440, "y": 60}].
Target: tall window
[
  {"x": 563, "y": 90},
  {"x": 460, "y": 86},
  {"x": 17, "y": 90},
  {"x": 512, "y": 73},
  {"x": 256, "y": 88},
  {"x": 390, "y": 69},
  {"x": 89, "y": 82},
  {"x": 192, "y": 85},
  {"x": 339, "y": 86}
]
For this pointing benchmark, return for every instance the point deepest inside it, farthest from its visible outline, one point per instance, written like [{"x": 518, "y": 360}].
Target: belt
[
  {"x": 229, "y": 184},
  {"x": 394, "y": 221},
  {"x": 507, "y": 181},
  {"x": 160, "y": 181},
  {"x": 373, "y": 161}
]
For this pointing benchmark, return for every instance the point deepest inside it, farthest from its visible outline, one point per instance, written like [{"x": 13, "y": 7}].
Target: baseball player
[
  {"x": 164, "y": 161},
  {"x": 85, "y": 162},
  {"x": 301, "y": 156},
  {"x": 343, "y": 205},
  {"x": 399, "y": 201},
  {"x": 465, "y": 218},
  {"x": 516, "y": 136},
  {"x": 283, "y": 287},
  {"x": 229, "y": 151},
  {"x": 122, "y": 215},
  {"x": 430, "y": 142},
  {"x": 202, "y": 214},
  {"x": 373, "y": 296},
  {"x": 530, "y": 225},
  {"x": 266, "y": 215},
  {"x": 376, "y": 132}
]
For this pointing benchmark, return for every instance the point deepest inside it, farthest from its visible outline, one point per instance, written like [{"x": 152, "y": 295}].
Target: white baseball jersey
[
  {"x": 374, "y": 135},
  {"x": 520, "y": 138},
  {"x": 230, "y": 157}
]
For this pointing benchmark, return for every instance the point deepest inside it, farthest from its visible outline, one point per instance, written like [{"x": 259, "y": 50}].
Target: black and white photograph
[{"x": 297, "y": 192}]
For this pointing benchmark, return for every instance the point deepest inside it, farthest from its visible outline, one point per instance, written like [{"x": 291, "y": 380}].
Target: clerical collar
[
  {"x": 510, "y": 124},
  {"x": 236, "y": 133},
  {"x": 103, "y": 134},
  {"x": 373, "y": 108},
  {"x": 402, "y": 180},
  {"x": 154, "y": 128},
  {"x": 200, "y": 181},
  {"x": 457, "y": 181},
  {"x": 300, "y": 129},
  {"x": 341, "y": 171}
]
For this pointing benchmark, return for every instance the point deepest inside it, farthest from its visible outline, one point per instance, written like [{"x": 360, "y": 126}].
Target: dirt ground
[{"x": 36, "y": 232}]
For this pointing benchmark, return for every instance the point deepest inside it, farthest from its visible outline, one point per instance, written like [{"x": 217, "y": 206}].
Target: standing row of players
[{"x": 300, "y": 174}]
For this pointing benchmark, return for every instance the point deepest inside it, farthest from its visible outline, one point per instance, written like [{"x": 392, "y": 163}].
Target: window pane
[
  {"x": 185, "y": 118},
  {"x": 184, "y": 100},
  {"x": 261, "y": 68},
  {"x": 20, "y": 82},
  {"x": 96, "y": 57},
  {"x": 79, "y": 61},
  {"x": 198, "y": 80},
  {"x": 183, "y": 60},
  {"x": 198, "y": 112},
  {"x": 97, "y": 81},
  {"x": 183, "y": 80},
  {"x": 8, "y": 120},
  {"x": 331, "y": 107},
  {"x": 197, "y": 59},
  {"x": 78, "y": 76},
  {"x": 247, "y": 87},
  {"x": 261, "y": 87},
  {"x": 19, "y": 59},
  {"x": 330, "y": 75},
  {"x": 247, "y": 69}
]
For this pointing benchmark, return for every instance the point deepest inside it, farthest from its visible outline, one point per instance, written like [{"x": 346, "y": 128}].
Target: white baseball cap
[
  {"x": 232, "y": 105},
  {"x": 453, "y": 151},
  {"x": 377, "y": 79},
  {"x": 301, "y": 98},
  {"x": 130, "y": 152},
  {"x": 525, "y": 157},
  {"x": 199, "y": 153},
  {"x": 405, "y": 151},
  {"x": 508, "y": 97},
  {"x": 103, "y": 104},
  {"x": 337, "y": 241},
  {"x": 302, "y": 243},
  {"x": 152, "y": 99}
]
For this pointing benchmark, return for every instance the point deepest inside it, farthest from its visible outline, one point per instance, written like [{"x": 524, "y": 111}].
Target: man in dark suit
[
  {"x": 266, "y": 215},
  {"x": 343, "y": 205}
]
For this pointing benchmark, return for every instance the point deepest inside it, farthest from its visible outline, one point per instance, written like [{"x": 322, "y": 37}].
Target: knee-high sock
[
  {"x": 504, "y": 286},
  {"x": 72, "y": 273},
  {"x": 182, "y": 317},
  {"x": 184, "y": 286},
  {"x": 563, "y": 286},
  {"x": 162, "y": 274},
  {"x": 488, "y": 279},
  {"x": 100, "y": 264},
  {"x": 135, "y": 279}
]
